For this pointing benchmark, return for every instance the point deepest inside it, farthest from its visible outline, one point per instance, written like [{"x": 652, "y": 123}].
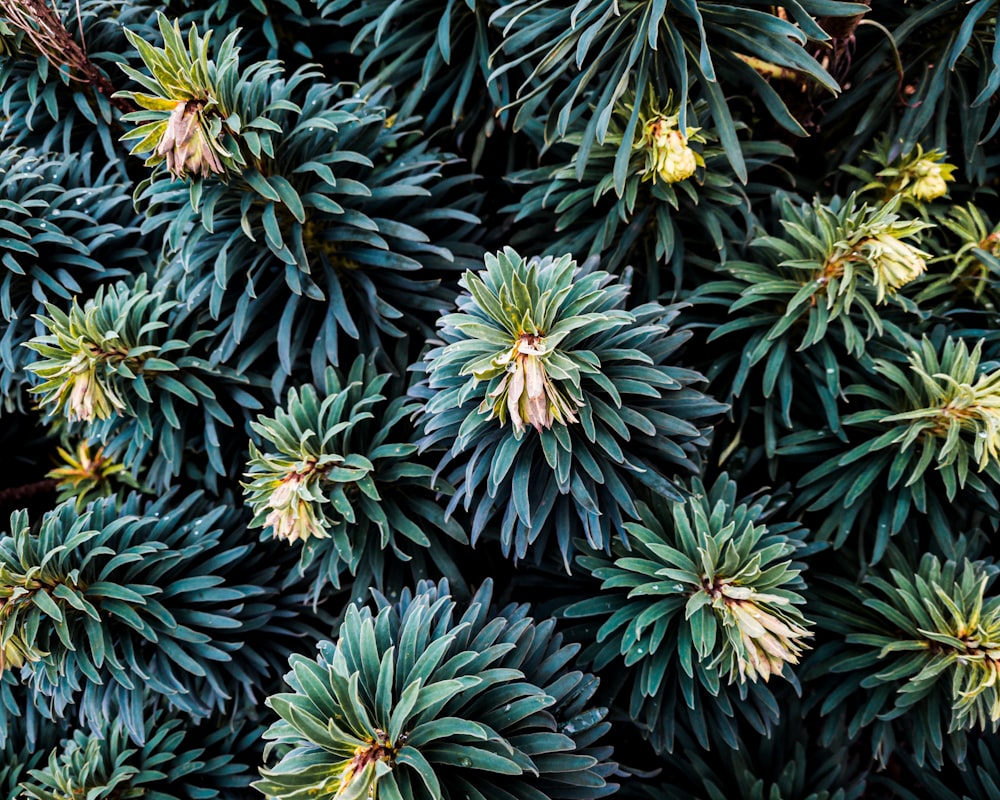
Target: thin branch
[{"x": 46, "y": 31}]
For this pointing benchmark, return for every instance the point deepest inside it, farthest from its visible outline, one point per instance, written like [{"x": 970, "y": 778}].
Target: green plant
[
  {"x": 700, "y": 595},
  {"x": 337, "y": 473},
  {"x": 423, "y": 699},
  {"x": 550, "y": 399}
]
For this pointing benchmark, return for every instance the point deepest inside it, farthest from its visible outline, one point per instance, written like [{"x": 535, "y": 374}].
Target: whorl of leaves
[
  {"x": 421, "y": 699},
  {"x": 648, "y": 221},
  {"x": 54, "y": 245},
  {"x": 701, "y": 594},
  {"x": 171, "y": 764},
  {"x": 550, "y": 341},
  {"x": 335, "y": 469},
  {"x": 347, "y": 231},
  {"x": 120, "y": 600},
  {"x": 127, "y": 363},
  {"x": 583, "y": 56},
  {"x": 810, "y": 300},
  {"x": 917, "y": 650},
  {"x": 924, "y": 435}
]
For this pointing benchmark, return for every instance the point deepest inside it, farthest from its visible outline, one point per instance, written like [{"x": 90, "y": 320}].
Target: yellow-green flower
[
  {"x": 931, "y": 180},
  {"x": 669, "y": 157},
  {"x": 894, "y": 263}
]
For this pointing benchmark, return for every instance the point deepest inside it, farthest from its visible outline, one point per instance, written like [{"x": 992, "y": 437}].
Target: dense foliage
[{"x": 499, "y": 400}]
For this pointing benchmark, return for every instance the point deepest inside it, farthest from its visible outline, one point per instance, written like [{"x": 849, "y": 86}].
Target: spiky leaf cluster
[
  {"x": 337, "y": 232},
  {"x": 552, "y": 400},
  {"x": 700, "y": 595},
  {"x": 52, "y": 246},
  {"x": 810, "y": 300},
  {"x": 923, "y": 643},
  {"x": 424, "y": 699},
  {"x": 201, "y": 116},
  {"x": 335, "y": 470},
  {"x": 671, "y": 180},
  {"x": 85, "y": 474},
  {"x": 943, "y": 108},
  {"x": 654, "y": 46},
  {"x": 924, "y": 433},
  {"x": 122, "y": 599},
  {"x": 168, "y": 765},
  {"x": 117, "y": 363}
]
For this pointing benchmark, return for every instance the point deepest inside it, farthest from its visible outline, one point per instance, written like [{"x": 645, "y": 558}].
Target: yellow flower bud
[
  {"x": 930, "y": 182},
  {"x": 669, "y": 156},
  {"x": 894, "y": 263}
]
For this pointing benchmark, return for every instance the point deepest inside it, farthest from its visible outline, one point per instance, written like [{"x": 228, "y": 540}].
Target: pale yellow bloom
[
  {"x": 669, "y": 157},
  {"x": 526, "y": 392},
  {"x": 185, "y": 143},
  {"x": 894, "y": 263},
  {"x": 930, "y": 181}
]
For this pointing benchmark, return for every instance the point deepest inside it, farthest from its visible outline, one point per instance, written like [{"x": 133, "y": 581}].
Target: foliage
[
  {"x": 551, "y": 346},
  {"x": 699, "y": 595},
  {"x": 337, "y": 474},
  {"x": 268, "y": 348},
  {"x": 118, "y": 364},
  {"x": 940, "y": 413},
  {"x": 422, "y": 699},
  {"x": 102, "y": 602},
  {"x": 165, "y": 767},
  {"x": 921, "y": 642},
  {"x": 647, "y": 46},
  {"x": 84, "y": 475},
  {"x": 53, "y": 246}
]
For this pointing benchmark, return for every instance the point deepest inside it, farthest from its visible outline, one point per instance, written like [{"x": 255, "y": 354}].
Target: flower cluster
[
  {"x": 667, "y": 147},
  {"x": 201, "y": 117}
]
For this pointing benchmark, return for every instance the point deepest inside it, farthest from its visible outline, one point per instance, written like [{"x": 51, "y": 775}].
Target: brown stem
[
  {"x": 42, "y": 25},
  {"x": 17, "y": 496}
]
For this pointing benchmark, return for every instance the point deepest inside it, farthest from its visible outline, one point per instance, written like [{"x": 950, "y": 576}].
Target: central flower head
[
  {"x": 894, "y": 263},
  {"x": 379, "y": 749},
  {"x": 668, "y": 156},
  {"x": 766, "y": 638},
  {"x": 187, "y": 144},
  {"x": 292, "y": 516},
  {"x": 526, "y": 391}
]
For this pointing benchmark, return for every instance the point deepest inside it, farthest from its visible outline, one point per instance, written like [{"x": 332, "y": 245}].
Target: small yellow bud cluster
[
  {"x": 668, "y": 154},
  {"x": 366, "y": 755},
  {"x": 930, "y": 180},
  {"x": 894, "y": 263},
  {"x": 526, "y": 391}
]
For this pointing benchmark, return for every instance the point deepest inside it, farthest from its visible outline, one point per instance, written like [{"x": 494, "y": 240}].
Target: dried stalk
[{"x": 46, "y": 31}]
